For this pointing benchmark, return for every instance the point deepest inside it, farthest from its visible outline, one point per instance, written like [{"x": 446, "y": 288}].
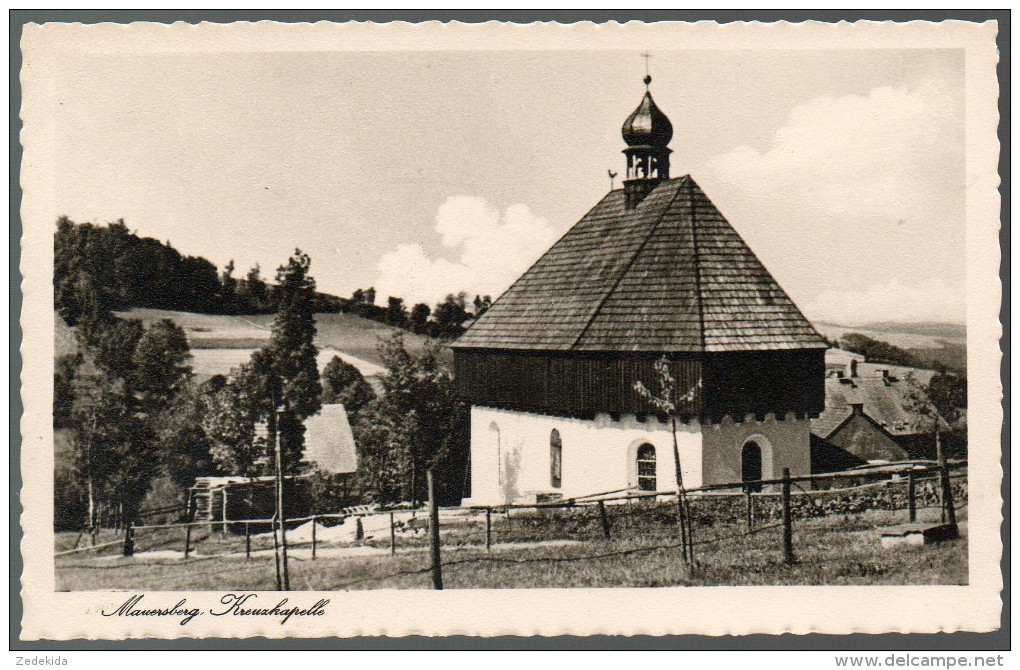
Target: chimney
[
  {"x": 857, "y": 407},
  {"x": 852, "y": 368}
]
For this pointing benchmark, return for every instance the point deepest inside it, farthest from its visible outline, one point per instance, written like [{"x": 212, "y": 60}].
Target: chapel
[{"x": 652, "y": 270}]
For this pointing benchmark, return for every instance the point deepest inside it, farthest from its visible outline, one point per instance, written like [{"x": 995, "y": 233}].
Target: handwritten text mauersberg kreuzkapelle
[{"x": 236, "y": 604}]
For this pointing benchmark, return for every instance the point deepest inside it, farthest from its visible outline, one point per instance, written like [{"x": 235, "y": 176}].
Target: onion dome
[{"x": 647, "y": 125}]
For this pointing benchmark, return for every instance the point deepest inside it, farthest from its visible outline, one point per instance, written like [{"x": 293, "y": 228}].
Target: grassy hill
[{"x": 219, "y": 342}]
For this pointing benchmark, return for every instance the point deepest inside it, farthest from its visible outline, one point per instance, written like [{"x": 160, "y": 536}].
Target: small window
[
  {"x": 555, "y": 459},
  {"x": 646, "y": 467}
]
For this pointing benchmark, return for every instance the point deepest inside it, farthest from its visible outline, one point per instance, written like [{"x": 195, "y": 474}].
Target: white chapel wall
[{"x": 598, "y": 455}]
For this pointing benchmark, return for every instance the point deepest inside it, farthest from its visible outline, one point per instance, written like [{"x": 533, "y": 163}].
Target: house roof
[
  {"x": 841, "y": 357},
  {"x": 329, "y": 441},
  {"x": 671, "y": 275},
  {"x": 882, "y": 399}
]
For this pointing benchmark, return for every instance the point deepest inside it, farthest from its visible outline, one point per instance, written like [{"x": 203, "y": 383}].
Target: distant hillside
[
  {"x": 905, "y": 335},
  {"x": 912, "y": 345},
  {"x": 946, "y": 331}
]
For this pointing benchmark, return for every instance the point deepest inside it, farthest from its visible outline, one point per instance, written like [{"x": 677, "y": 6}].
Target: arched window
[
  {"x": 750, "y": 466},
  {"x": 555, "y": 459},
  {"x": 646, "y": 467},
  {"x": 496, "y": 442}
]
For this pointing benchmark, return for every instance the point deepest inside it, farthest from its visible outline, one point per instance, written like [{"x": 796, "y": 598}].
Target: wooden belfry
[{"x": 653, "y": 269}]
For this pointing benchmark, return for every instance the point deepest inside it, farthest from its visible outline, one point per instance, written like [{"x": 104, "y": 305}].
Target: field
[
  {"x": 220, "y": 342},
  {"x": 540, "y": 549}
]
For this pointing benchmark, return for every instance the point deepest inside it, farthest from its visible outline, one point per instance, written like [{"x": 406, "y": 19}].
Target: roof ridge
[
  {"x": 508, "y": 289},
  {"x": 697, "y": 265},
  {"x": 630, "y": 263},
  {"x": 754, "y": 255}
]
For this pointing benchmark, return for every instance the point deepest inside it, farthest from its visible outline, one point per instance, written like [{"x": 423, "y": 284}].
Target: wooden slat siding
[
  {"x": 671, "y": 275},
  {"x": 758, "y": 382},
  {"x": 733, "y": 384},
  {"x": 564, "y": 384}
]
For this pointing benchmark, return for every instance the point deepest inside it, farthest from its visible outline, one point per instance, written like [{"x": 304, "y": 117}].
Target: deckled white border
[{"x": 709, "y": 611}]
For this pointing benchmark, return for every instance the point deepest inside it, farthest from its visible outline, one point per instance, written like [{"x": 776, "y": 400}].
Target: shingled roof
[
  {"x": 671, "y": 275},
  {"x": 882, "y": 399}
]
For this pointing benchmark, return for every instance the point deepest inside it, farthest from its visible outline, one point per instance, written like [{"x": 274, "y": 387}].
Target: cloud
[
  {"x": 854, "y": 190},
  {"x": 487, "y": 248},
  {"x": 932, "y": 300}
]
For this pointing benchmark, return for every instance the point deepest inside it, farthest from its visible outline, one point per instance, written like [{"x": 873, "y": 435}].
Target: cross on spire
[{"x": 648, "y": 75}]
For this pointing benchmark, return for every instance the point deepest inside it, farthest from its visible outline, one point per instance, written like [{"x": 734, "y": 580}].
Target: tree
[
  {"x": 229, "y": 415},
  {"x": 293, "y": 354},
  {"x": 201, "y": 284},
  {"x": 255, "y": 291},
  {"x": 384, "y": 455},
  {"x": 84, "y": 280},
  {"x": 417, "y": 425},
  {"x": 64, "y": 370},
  {"x": 666, "y": 401},
  {"x": 228, "y": 286},
  {"x": 938, "y": 407},
  {"x": 396, "y": 313},
  {"x": 879, "y": 351},
  {"x": 482, "y": 305},
  {"x": 344, "y": 384},
  {"x": 160, "y": 365},
  {"x": 91, "y": 313},
  {"x": 948, "y": 392},
  {"x": 99, "y": 415},
  {"x": 112, "y": 346},
  {"x": 419, "y": 315},
  {"x": 282, "y": 378},
  {"x": 185, "y": 448},
  {"x": 450, "y": 314}
]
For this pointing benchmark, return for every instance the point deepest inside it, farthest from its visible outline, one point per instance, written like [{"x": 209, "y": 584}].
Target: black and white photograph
[{"x": 632, "y": 311}]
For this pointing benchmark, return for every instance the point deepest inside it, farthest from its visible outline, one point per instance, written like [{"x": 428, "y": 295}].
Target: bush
[{"x": 329, "y": 493}]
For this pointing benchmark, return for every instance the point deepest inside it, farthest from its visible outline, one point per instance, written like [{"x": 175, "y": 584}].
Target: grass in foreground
[{"x": 834, "y": 551}]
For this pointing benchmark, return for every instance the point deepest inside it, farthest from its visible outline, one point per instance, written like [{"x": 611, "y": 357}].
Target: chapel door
[{"x": 750, "y": 466}]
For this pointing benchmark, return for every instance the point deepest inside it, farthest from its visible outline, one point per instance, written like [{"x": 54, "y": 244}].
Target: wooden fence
[{"x": 760, "y": 503}]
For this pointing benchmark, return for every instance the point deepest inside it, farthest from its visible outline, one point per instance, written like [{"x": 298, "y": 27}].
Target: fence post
[
  {"x": 911, "y": 491},
  {"x": 129, "y": 539},
  {"x": 437, "y": 568},
  {"x": 949, "y": 507},
  {"x": 488, "y": 529},
  {"x": 605, "y": 519},
  {"x": 787, "y": 519},
  {"x": 314, "y": 524},
  {"x": 247, "y": 539},
  {"x": 223, "y": 528},
  {"x": 749, "y": 504},
  {"x": 393, "y": 536},
  {"x": 189, "y": 516}
]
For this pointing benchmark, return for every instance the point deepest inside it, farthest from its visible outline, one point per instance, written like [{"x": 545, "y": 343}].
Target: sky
[{"x": 425, "y": 173}]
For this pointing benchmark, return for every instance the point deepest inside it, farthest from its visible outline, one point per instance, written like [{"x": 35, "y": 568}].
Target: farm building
[
  {"x": 867, "y": 418},
  {"x": 329, "y": 446},
  {"x": 653, "y": 269}
]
